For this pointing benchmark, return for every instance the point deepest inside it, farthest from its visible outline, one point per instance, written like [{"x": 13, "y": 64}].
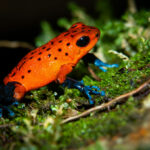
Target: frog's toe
[
  {"x": 6, "y": 110},
  {"x": 91, "y": 102},
  {"x": 114, "y": 65},
  {"x": 16, "y": 103},
  {"x": 94, "y": 90},
  {"x": 101, "y": 64},
  {"x": 102, "y": 93},
  {"x": 10, "y": 113},
  {"x": 95, "y": 87}
]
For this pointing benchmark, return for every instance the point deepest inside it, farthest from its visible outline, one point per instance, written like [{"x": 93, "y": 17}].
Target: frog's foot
[
  {"x": 87, "y": 90},
  {"x": 7, "y": 109},
  {"x": 7, "y": 100},
  {"x": 101, "y": 64}
]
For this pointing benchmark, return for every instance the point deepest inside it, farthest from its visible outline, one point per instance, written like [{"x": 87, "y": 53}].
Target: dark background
[{"x": 20, "y": 21}]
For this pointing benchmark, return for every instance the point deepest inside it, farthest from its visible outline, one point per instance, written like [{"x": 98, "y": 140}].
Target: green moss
[{"x": 99, "y": 125}]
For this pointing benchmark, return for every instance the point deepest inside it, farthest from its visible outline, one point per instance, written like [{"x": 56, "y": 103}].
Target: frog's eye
[{"x": 83, "y": 41}]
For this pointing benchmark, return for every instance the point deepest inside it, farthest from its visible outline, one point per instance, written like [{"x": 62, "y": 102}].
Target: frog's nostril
[{"x": 97, "y": 35}]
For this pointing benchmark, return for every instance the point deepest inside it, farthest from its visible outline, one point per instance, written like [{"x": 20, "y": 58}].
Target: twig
[
  {"x": 6, "y": 125},
  {"x": 109, "y": 104},
  {"x": 93, "y": 74},
  {"x": 132, "y": 6},
  {"x": 16, "y": 44}
]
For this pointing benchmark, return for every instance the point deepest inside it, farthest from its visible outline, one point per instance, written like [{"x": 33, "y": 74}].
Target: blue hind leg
[
  {"x": 91, "y": 58},
  {"x": 7, "y": 109},
  {"x": 7, "y": 100},
  {"x": 101, "y": 64}
]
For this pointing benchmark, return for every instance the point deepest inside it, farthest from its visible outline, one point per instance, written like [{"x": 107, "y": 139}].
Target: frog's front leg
[
  {"x": 71, "y": 83},
  {"x": 64, "y": 70},
  {"x": 91, "y": 58},
  {"x": 87, "y": 90}
]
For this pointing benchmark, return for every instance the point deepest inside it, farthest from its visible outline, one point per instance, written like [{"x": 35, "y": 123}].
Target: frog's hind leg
[
  {"x": 9, "y": 95},
  {"x": 91, "y": 58}
]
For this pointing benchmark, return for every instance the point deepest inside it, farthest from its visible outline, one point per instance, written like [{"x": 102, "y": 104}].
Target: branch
[
  {"x": 6, "y": 125},
  {"x": 110, "y": 104},
  {"x": 93, "y": 74},
  {"x": 15, "y": 44},
  {"x": 132, "y": 6}
]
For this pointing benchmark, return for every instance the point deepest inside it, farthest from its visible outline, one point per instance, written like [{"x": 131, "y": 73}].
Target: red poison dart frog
[{"x": 52, "y": 62}]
